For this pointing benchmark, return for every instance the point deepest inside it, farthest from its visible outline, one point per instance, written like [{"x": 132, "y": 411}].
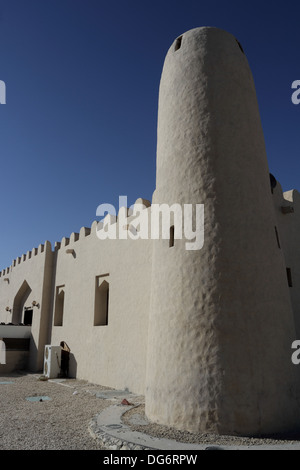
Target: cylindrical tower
[{"x": 221, "y": 323}]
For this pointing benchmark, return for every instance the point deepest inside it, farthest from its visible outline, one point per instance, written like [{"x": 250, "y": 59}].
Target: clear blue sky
[{"x": 82, "y": 77}]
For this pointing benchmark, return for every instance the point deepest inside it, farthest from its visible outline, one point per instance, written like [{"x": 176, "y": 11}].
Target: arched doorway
[{"x": 19, "y": 302}]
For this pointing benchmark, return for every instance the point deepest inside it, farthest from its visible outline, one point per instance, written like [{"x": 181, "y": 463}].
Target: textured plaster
[{"x": 221, "y": 321}]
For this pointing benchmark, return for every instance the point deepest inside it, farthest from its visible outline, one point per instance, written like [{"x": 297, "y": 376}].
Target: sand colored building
[{"x": 205, "y": 334}]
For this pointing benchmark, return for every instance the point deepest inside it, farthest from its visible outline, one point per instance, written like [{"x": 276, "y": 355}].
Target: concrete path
[{"x": 115, "y": 435}]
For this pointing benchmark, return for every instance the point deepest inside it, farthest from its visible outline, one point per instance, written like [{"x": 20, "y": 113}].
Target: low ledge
[
  {"x": 110, "y": 429},
  {"x": 113, "y": 434},
  {"x": 15, "y": 331}
]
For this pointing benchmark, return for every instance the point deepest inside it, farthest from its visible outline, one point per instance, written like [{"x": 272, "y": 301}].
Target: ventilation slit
[
  {"x": 289, "y": 277},
  {"x": 171, "y": 240},
  {"x": 178, "y": 43},
  {"x": 277, "y": 237},
  {"x": 239, "y": 44}
]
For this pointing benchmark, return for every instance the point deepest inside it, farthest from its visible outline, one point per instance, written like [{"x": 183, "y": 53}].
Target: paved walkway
[{"x": 109, "y": 427}]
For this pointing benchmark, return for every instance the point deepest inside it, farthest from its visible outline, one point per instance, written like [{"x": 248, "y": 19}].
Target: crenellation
[
  {"x": 65, "y": 242},
  {"x": 124, "y": 212},
  {"x": 28, "y": 256},
  {"x": 84, "y": 232},
  {"x": 41, "y": 248},
  {"x": 109, "y": 219},
  {"x": 144, "y": 202},
  {"x": 74, "y": 237},
  {"x": 47, "y": 246},
  {"x": 94, "y": 226},
  {"x": 292, "y": 196}
]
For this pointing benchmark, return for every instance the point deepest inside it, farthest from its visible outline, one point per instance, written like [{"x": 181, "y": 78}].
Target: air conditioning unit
[{"x": 52, "y": 361}]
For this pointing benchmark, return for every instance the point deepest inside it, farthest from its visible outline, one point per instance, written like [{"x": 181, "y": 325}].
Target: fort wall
[
  {"x": 109, "y": 350},
  {"x": 287, "y": 210},
  {"x": 25, "y": 282}
]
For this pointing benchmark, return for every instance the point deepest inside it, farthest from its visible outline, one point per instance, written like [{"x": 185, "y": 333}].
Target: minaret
[{"x": 221, "y": 323}]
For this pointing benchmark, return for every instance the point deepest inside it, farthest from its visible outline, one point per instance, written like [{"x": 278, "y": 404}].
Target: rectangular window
[
  {"x": 277, "y": 237},
  {"x": 101, "y": 304},
  {"x": 289, "y": 277},
  {"x": 28, "y": 316},
  {"x": 178, "y": 43},
  {"x": 171, "y": 239},
  {"x": 59, "y": 306}
]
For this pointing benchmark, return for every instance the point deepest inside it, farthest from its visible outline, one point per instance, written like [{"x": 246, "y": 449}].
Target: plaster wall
[
  {"x": 114, "y": 354},
  {"x": 287, "y": 209},
  {"x": 221, "y": 322},
  {"x": 28, "y": 279}
]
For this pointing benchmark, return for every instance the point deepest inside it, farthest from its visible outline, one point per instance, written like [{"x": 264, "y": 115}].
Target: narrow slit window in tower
[
  {"x": 277, "y": 237},
  {"x": 289, "y": 277},
  {"x": 171, "y": 240},
  {"x": 239, "y": 44},
  {"x": 178, "y": 43}
]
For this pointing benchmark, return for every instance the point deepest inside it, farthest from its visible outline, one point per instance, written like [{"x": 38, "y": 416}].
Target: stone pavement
[{"x": 115, "y": 435}]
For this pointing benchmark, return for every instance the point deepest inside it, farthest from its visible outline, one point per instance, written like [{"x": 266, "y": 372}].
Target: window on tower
[
  {"x": 289, "y": 277},
  {"x": 240, "y": 46},
  {"x": 171, "y": 239},
  {"x": 178, "y": 43}
]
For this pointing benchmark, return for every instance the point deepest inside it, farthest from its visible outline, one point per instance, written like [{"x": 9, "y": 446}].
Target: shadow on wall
[
  {"x": 19, "y": 302},
  {"x": 72, "y": 366},
  {"x": 33, "y": 352}
]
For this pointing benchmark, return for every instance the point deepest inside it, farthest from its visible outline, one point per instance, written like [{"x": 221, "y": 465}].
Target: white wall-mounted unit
[{"x": 52, "y": 361}]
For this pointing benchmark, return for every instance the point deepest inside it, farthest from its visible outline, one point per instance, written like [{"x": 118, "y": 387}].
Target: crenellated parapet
[
  {"x": 285, "y": 202},
  {"x": 122, "y": 220},
  {"x": 128, "y": 220},
  {"x": 74, "y": 237},
  {"x": 41, "y": 250},
  {"x": 292, "y": 199}
]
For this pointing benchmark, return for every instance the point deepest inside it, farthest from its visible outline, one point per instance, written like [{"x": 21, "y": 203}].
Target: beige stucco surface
[
  {"x": 35, "y": 269},
  {"x": 114, "y": 354},
  {"x": 221, "y": 322}
]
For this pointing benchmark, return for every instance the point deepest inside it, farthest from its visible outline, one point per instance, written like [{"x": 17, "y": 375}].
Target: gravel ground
[
  {"x": 58, "y": 424},
  {"x": 62, "y": 423}
]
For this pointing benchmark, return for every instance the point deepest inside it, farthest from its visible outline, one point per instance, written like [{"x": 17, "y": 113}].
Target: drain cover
[{"x": 38, "y": 398}]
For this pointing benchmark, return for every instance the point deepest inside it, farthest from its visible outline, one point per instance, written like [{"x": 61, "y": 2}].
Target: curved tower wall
[{"x": 221, "y": 324}]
